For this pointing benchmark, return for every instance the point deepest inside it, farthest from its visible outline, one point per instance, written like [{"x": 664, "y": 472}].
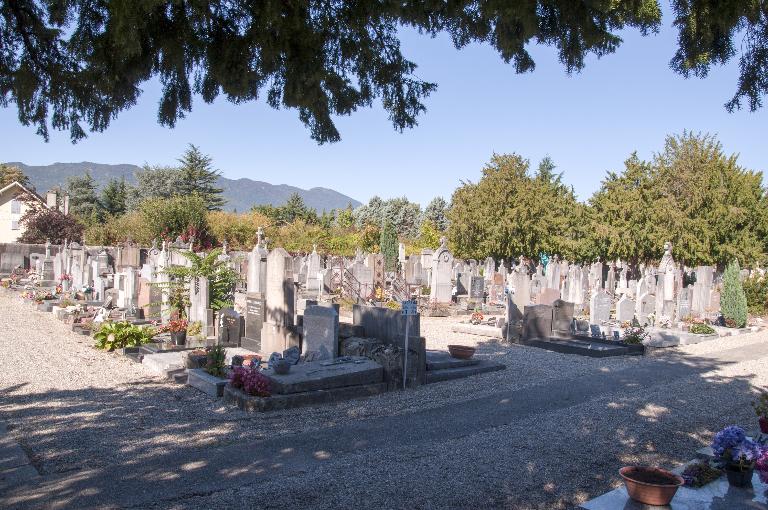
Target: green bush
[
  {"x": 168, "y": 218},
  {"x": 702, "y": 329},
  {"x": 117, "y": 335},
  {"x": 756, "y": 290},
  {"x": 733, "y": 302}
]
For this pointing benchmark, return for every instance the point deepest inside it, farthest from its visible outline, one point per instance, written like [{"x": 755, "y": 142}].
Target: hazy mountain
[{"x": 241, "y": 194}]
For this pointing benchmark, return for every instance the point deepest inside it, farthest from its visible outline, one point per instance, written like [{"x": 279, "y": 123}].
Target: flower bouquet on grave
[
  {"x": 178, "y": 330},
  {"x": 250, "y": 380},
  {"x": 634, "y": 335},
  {"x": 737, "y": 454},
  {"x": 66, "y": 281},
  {"x": 476, "y": 318}
]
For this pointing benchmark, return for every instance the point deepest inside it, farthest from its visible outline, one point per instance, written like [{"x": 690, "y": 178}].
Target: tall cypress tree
[
  {"x": 389, "y": 246},
  {"x": 733, "y": 303},
  {"x": 199, "y": 177}
]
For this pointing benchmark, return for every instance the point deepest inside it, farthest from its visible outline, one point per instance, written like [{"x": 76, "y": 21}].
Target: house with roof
[{"x": 14, "y": 202}]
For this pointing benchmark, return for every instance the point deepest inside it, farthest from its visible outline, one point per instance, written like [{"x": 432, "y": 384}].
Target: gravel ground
[{"x": 72, "y": 407}]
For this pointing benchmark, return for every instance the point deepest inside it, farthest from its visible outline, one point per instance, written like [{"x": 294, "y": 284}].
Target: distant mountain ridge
[{"x": 241, "y": 194}]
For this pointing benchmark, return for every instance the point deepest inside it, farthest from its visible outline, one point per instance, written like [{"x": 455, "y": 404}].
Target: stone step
[
  {"x": 448, "y": 374},
  {"x": 440, "y": 360}
]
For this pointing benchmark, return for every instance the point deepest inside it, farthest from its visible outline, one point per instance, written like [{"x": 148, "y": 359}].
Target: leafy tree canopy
[
  {"x": 83, "y": 199},
  {"x": 76, "y": 65},
  {"x": 10, "y": 173},
  {"x": 114, "y": 196}
]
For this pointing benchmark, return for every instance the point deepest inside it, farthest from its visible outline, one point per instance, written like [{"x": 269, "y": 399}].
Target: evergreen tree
[
  {"x": 10, "y": 173},
  {"x": 113, "y": 197},
  {"x": 733, "y": 302},
  {"x": 510, "y": 213},
  {"x": 436, "y": 213},
  {"x": 199, "y": 177},
  {"x": 389, "y": 246},
  {"x": 83, "y": 200},
  {"x": 622, "y": 214}
]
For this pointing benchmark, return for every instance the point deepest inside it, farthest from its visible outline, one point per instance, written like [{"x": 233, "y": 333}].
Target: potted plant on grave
[
  {"x": 650, "y": 485},
  {"x": 178, "y": 330},
  {"x": 761, "y": 410},
  {"x": 736, "y": 454}
]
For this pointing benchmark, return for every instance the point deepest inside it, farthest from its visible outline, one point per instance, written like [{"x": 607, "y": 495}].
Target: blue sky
[{"x": 588, "y": 123}]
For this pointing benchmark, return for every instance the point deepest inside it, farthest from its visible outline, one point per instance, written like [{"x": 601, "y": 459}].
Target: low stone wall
[
  {"x": 382, "y": 323},
  {"x": 17, "y": 254}
]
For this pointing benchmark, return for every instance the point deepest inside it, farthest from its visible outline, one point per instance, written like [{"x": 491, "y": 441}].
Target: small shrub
[
  {"x": 634, "y": 335},
  {"x": 393, "y": 305},
  {"x": 216, "y": 360},
  {"x": 118, "y": 335},
  {"x": 761, "y": 405},
  {"x": 756, "y": 290},
  {"x": 701, "y": 329},
  {"x": 250, "y": 380}
]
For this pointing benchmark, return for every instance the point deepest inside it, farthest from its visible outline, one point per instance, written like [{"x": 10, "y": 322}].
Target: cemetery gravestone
[
  {"x": 562, "y": 316},
  {"x": 229, "y": 327},
  {"x": 625, "y": 309},
  {"x": 477, "y": 289},
  {"x": 684, "y": 299},
  {"x": 254, "y": 321},
  {"x": 537, "y": 322},
  {"x": 548, "y": 296},
  {"x": 600, "y": 307},
  {"x": 321, "y": 331}
]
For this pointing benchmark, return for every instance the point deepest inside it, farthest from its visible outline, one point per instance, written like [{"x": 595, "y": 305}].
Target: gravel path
[{"x": 74, "y": 408}]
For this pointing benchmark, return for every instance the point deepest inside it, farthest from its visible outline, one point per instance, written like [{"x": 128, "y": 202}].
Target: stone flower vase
[
  {"x": 739, "y": 478},
  {"x": 179, "y": 337},
  {"x": 65, "y": 284}
]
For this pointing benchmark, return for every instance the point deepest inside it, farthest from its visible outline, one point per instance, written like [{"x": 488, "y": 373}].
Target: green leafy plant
[
  {"x": 756, "y": 290},
  {"x": 733, "y": 302},
  {"x": 634, "y": 335},
  {"x": 761, "y": 405},
  {"x": 393, "y": 305},
  {"x": 701, "y": 329},
  {"x": 216, "y": 361},
  {"x": 117, "y": 335},
  {"x": 194, "y": 328},
  {"x": 221, "y": 280}
]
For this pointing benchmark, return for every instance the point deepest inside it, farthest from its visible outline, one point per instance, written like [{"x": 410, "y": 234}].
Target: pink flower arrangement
[
  {"x": 762, "y": 466},
  {"x": 174, "y": 326},
  {"x": 250, "y": 380},
  {"x": 65, "y": 277}
]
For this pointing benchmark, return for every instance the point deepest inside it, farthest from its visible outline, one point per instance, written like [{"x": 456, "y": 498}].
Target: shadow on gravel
[{"x": 564, "y": 440}]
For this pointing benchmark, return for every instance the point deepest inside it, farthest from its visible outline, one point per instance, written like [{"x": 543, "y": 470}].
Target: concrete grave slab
[{"x": 326, "y": 375}]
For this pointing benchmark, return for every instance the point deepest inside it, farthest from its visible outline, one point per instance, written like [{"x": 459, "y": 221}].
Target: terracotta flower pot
[
  {"x": 764, "y": 424},
  {"x": 461, "y": 351},
  {"x": 738, "y": 478},
  {"x": 650, "y": 485}
]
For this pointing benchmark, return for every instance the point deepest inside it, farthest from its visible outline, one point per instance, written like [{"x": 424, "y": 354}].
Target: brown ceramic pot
[
  {"x": 461, "y": 351},
  {"x": 650, "y": 485}
]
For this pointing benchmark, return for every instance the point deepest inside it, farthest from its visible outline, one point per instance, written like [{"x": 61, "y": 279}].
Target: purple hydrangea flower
[{"x": 728, "y": 439}]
